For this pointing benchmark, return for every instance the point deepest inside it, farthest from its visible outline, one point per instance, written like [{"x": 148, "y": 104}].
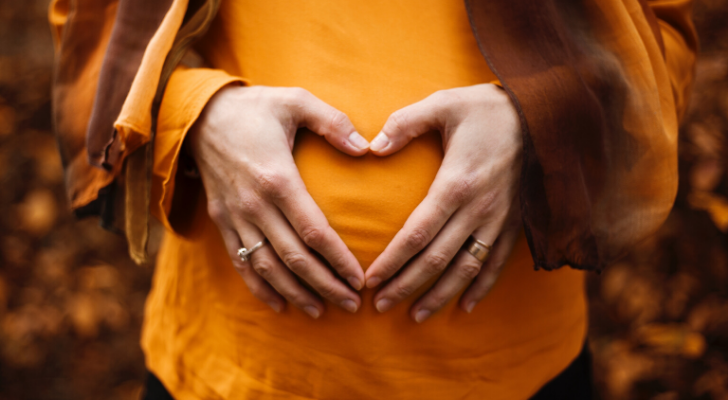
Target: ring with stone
[{"x": 245, "y": 254}]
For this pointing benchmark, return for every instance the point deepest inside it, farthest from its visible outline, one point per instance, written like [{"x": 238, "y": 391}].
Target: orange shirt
[{"x": 206, "y": 336}]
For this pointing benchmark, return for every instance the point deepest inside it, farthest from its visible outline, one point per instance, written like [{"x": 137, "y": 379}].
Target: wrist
[{"x": 211, "y": 113}]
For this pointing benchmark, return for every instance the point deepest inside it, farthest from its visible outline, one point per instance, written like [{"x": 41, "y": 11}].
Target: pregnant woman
[{"x": 360, "y": 166}]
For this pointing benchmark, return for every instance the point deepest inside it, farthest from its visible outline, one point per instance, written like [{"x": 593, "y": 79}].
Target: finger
[
  {"x": 409, "y": 122},
  {"x": 330, "y": 123},
  {"x": 312, "y": 227},
  {"x": 460, "y": 274},
  {"x": 267, "y": 265},
  {"x": 502, "y": 249},
  {"x": 419, "y": 230},
  {"x": 257, "y": 285},
  {"x": 430, "y": 263},
  {"x": 297, "y": 257}
]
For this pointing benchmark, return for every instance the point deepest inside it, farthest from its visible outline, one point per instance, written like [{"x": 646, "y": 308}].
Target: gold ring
[{"x": 478, "y": 249}]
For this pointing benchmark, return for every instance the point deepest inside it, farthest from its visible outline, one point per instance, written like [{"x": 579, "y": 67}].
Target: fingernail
[
  {"x": 422, "y": 315},
  {"x": 354, "y": 282},
  {"x": 469, "y": 307},
  {"x": 358, "y": 141},
  {"x": 379, "y": 142},
  {"x": 312, "y": 311},
  {"x": 374, "y": 281},
  {"x": 383, "y": 305},
  {"x": 275, "y": 306},
  {"x": 349, "y": 305}
]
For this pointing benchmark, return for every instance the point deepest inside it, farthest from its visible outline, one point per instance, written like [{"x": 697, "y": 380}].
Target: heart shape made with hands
[
  {"x": 404, "y": 209},
  {"x": 397, "y": 218}
]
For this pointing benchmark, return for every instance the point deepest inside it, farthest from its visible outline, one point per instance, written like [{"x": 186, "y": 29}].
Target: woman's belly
[
  {"x": 202, "y": 322},
  {"x": 367, "y": 59},
  {"x": 367, "y": 199}
]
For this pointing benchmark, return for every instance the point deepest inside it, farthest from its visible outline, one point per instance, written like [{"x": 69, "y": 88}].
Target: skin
[
  {"x": 242, "y": 144},
  {"x": 251, "y": 198},
  {"x": 474, "y": 193}
]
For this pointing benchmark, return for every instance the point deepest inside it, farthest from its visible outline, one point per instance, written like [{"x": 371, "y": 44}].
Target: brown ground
[{"x": 71, "y": 302}]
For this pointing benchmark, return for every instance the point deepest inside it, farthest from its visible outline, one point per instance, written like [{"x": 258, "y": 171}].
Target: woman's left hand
[{"x": 474, "y": 193}]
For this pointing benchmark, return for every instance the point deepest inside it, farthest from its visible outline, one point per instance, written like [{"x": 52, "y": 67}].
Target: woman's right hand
[{"x": 242, "y": 144}]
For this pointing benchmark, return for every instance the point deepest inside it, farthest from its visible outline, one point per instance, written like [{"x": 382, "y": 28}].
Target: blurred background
[{"x": 71, "y": 302}]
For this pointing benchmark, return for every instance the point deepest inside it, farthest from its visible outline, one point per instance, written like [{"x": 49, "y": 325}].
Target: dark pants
[{"x": 574, "y": 383}]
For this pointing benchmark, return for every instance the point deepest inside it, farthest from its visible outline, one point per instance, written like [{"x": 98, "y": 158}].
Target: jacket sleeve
[
  {"x": 81, "y": 32},
  {"x": 187, "y": 93},
  {"x": 114, "y": 59},
  {"x": 109, "y": 66},
  {"x": 599, "y": 86}
]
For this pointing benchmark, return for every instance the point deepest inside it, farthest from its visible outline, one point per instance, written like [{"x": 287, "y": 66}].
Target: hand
[
  {"x": 242, "y": 145},
  {"x": 474, "y": 193}
]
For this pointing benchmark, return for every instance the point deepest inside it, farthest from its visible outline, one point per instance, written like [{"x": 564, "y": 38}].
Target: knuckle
[
  {"x": 295, "y": 296},
  {"x": 249, "y": 205},
  {"x": 295, "y": 261},
  {"x": 398, "y": 120},
  {"x": 439, "y": 211},
  {"x": 336, "y": 121},
  {"x": 216, "y": 211},
  {"x": 461, "y": 190},
  {"x": 271, "y": 183},
  {"x": 469, "y": 271},
  {"x": 435, "y": 262},
  {"x": 298, "y": 298},
  {"x": 264, "y": 268},
  {"x": 402, "y": 291},
  {"x": 339, "y": 262},
  {"x": 239, "y": 266},
  {"x": 437, "y": 299},
  {"x": 313, "y": 237},
  {"x": 327, "y": 290},
  {"x": 417, "y": 239}
]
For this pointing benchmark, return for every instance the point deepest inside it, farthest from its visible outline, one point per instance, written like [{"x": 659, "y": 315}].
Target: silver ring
[{"x": 245, "y": 254}]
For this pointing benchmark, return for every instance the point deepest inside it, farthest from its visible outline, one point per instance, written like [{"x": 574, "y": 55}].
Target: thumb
[
  {"x": 330, "y": 123},
  {"x": 406, "y": 124}
]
